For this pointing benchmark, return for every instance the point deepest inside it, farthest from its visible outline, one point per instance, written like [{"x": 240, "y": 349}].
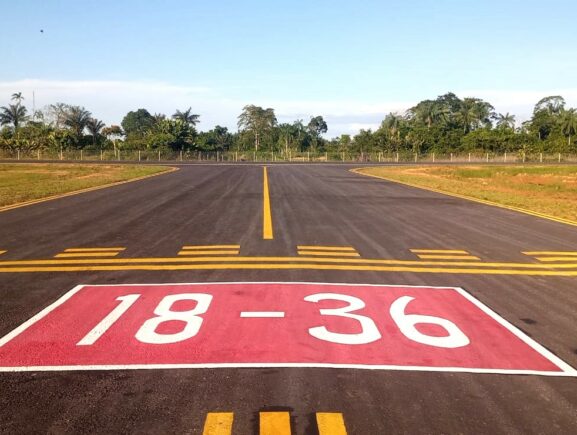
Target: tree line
[{"x": 445, "y": 124}]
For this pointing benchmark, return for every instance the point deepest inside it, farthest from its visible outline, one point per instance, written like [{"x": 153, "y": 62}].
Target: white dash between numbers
[{"x": 248, "y": 314}]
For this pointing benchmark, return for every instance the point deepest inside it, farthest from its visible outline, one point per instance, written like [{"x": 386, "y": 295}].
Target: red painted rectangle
[{"x": 273, "y": 324}]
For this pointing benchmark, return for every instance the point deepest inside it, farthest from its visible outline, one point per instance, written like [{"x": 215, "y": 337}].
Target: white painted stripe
[
  {"x": 286, "y": 365},
  {"x": 249, "y": 314},
  {"x": 19, "y": 330}
]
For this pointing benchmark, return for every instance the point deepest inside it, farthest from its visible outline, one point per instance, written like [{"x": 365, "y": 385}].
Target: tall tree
[
  {"x": 77, "y": 119},
  {"x": 506, "y": 121},
  {"x": 568, "y": 121},
  {"x": 553, "y": 105},
  {"x": 13, "y": 114},
  {"x": 187, "y": 117},
  {"x": 94, "y": 127},
  {"x": 137, "y": 122},
  {"x": 257, "y": 121}
]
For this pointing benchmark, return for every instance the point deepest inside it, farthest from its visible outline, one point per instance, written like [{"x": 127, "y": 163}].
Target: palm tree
[
  {"x": 187, "y": 117},
  {"x": 77, "y": 119},
  {"x": 568, "y": 121},
  {"x": 17, "y": 96},
  {"x": 94, "y": 127},
  {"x": 506, "y": 121},
  {"x": 14, "y": 114}
]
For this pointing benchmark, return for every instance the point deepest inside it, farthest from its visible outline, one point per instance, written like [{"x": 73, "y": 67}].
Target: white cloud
[{"x": 111, "y": 100}]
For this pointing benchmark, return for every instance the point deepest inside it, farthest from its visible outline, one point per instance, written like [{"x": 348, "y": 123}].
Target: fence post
[
  {"x": 397, "y": 157},
  {"x": 559, "y": 157},
  {"x": 159, "y": 155},
  {"x": 101, "y": 155},
  {"x": 433, "y": 157},
  {"x": 505, "y": 159},
  {"x": 416, "y": 157},
  {"x": 326, "y": 156},
  {"x": 18, "y": 151},
  {"x": 540, "y": 157},
  {"x": 118, "y": 155},
  {"x": 451, "y": 156},
  {"x": 487, "y": 157},
  {"x": 181, "y": 155},
  {"x": 139, "y": 155},
  {"x": 81, "y": 155},
  {"x": 61, "y": 154},
  {"x": 469, "y": 157},
  {"x": 523, "y": 156},
  {"x": 308, "y": 156},
  {"x": 38, "y": 154}
]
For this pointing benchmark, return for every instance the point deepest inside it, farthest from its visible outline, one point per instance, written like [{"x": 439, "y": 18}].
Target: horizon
[{"x": 348, "y": 64}]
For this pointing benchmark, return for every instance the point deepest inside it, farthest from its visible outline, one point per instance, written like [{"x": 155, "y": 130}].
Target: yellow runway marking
[
  {"x": 325, "y": 248},
  {"x": 212, "y": 252},
  {"x": 275, "y": 423},
  {"x": 284, "y": 259},
  {"x": 201, "y": 247},
  {"x": 86, "y": 254},
  {"x": 469, "y": 198},
  {"x": 218, "y": 423},
  {"x": 448, "y": 257},
  {"x": 553, "y": 259},
  {"x": 331, "y": 423},
  {"x": 330, "y": 253},
  {"x": 289, "y": 266},
  {"x": 438, "y": 251},
  {"x": 266, "y": 211},
  {"x": 556, "y": 253},
  {"x": 93, "y": 249}
]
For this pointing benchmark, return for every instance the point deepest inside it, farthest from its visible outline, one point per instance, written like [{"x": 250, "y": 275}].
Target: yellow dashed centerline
[
  {"x": 275, "y": 423},
  {"x": 86, "y": 254},
  {"x": 267, "y": 233},
  {"x": 329, "y": 253},
  {"x": 212, "y": 252},
  {"x": 448, "y": 257},
  {"x": 331, "y": 423},
  {"x": 554, "y": 253},
  {"x": 218, "y": 423},
  {"x": 325, "y": 248},
  {"x": 94, "y": 249},
  {"x": 204, "y": 247},
  {"x": 439, "y": 251}
]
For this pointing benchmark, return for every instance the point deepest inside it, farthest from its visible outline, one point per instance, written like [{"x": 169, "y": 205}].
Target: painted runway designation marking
[{"x": 293, "y": 325}]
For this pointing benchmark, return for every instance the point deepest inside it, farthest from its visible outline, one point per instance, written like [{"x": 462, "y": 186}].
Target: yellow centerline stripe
[
  {"x": 267, "y": 233},
  {"x": 2, "y": 252},
  {"x": 438, "y": 251},
  {"x": 564, "y": 253},
  {"x": 89, "y": 189},
  {"x": 283, "y": 259},
  {"x": 275, "y": 423},
  {"x": 195, "y": 247},
  {"x": 325, "y": 248},
  {"x": 213, "y": 252},
  {"x": 469, "y": 198},
  {"x": 272, "y": 266},
  {"x": 448, "y": 257},
  {"x": 331, "y": 423},
  {"x": 93, "y": 249},
  {"x": 329, "y": 254},
  {"x": 218, "y": 423},
  {"x": 86, "y": 254}
]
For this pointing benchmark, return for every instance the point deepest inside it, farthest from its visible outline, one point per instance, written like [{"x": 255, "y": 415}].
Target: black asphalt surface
[{"x": 311, "y": 205}]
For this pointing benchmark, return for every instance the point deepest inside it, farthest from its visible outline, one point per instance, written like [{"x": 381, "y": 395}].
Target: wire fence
[{"x": 124, "y": 155}]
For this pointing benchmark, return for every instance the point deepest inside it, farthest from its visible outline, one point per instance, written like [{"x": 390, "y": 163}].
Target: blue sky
[{"x": 349, "y": 62}]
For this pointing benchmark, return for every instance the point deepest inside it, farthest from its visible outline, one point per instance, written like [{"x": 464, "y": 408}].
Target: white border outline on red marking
[{"x": 566, "y": 369}]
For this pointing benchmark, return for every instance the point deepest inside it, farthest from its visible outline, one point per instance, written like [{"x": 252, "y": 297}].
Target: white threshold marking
[{"x": 264, "y": 314}]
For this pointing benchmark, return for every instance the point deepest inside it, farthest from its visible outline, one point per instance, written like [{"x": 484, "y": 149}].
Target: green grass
[
  {"x": 544, "y": 189},
  {"x": 25, "y": 182}
]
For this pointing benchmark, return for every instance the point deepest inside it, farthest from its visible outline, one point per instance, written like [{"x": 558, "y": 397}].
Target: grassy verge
[
  {"x": 550, "y": 190},
  {"x": 26, "y": 182}
]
